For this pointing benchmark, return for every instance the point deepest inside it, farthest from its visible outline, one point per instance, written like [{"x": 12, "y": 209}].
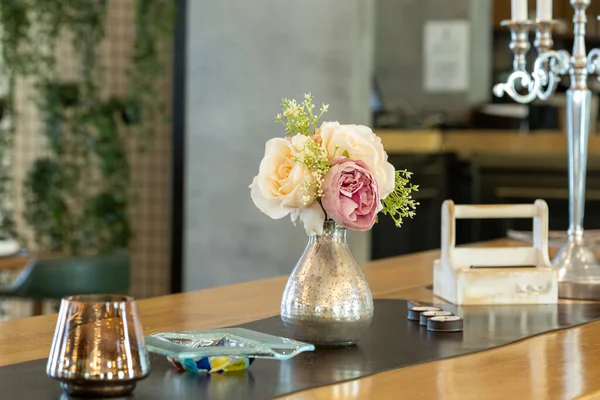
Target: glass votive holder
[{"x": 98, "y": 347}]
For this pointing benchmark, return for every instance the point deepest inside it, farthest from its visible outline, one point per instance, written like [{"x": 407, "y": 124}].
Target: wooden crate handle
[{"x": 451, "y": 212}]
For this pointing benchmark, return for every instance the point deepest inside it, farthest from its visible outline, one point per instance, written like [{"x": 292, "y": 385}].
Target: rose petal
[
  {"x": 294, "y": 215},
  {"x": 313, "y": 218},
  {"x": 272, "y": 207},
  {"x": 348, "y": 208}
]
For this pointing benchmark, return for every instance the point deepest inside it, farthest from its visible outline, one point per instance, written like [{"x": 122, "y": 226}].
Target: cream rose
[
  {"x": 358, "y": 142},
  {"x": 280, "y": 184}
]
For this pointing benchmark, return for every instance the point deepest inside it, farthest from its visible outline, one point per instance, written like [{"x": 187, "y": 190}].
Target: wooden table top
[
  {"x": 556, "y": 365},
  {"x": 482, "y": 142}
]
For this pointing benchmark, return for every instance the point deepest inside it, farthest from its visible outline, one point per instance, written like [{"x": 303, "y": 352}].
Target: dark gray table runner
[{"x": 392, "y": 342}]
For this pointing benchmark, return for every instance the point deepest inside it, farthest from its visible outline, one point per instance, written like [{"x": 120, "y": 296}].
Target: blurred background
[{"x": 139, "y": 124}]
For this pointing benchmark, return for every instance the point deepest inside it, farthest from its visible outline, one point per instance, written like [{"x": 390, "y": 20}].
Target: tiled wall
[{"x": 150, "y": 214}]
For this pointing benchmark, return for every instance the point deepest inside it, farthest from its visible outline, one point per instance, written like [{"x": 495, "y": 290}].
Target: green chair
[{"x": 55, "y": 278}]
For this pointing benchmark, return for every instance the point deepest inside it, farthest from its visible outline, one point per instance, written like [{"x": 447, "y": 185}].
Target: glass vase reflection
[{"x": 327, "y": 300}]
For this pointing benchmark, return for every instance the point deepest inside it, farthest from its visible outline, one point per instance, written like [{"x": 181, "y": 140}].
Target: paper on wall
[{"x": 446, "y": 56}]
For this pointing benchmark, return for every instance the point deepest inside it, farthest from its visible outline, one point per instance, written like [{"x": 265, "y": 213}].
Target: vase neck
[{"x": 332, "y": 232}]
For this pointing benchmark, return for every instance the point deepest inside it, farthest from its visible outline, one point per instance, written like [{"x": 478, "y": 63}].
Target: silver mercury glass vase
[{"x": 327, "y": 300}]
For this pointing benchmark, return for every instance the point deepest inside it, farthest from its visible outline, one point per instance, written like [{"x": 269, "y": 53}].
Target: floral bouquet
[{"x": 334, "y": 172}]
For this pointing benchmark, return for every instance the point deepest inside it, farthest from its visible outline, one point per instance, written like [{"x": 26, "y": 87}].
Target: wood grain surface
[
  {"x": 13, "y": 262},
  {"x": 558, "y": 365},
  {"x": 480, "y": 142}
]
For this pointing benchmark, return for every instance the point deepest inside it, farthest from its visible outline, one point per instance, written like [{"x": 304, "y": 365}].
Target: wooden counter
[
  {"x": 468, "y": 142},
  {"x": 557, "y": 365},
  {"x": 13, "y": 262}
]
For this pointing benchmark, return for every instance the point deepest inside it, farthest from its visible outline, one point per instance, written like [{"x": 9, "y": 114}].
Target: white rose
[
  {"x": 280, "y": 184},
  {"x": 359, "y": 142}
]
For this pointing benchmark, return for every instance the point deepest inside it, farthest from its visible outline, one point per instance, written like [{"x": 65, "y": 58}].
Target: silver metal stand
[{"x": 578, "y": 270}]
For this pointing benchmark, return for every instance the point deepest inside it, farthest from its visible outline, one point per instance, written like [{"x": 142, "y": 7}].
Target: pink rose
[{"x": 350, "y": 194}]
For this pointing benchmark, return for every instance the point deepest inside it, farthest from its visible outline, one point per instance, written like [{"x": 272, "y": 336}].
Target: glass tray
[{"x": 221, "y": 350}]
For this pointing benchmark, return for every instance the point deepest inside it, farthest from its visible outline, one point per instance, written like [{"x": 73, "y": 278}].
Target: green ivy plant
[{"x": 78, "y": 196}]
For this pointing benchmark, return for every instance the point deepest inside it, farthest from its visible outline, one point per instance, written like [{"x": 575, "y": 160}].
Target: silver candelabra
[{"x": 578, "y": 270}]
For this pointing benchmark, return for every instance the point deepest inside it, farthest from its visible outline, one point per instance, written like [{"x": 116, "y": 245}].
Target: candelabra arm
[
  {"x": 592, "y": 61},
  {"x": 547, "y": 70},
  {"x": 510, "y": 87}
]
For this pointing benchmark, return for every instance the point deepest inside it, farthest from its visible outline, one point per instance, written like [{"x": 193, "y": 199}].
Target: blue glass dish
[{"x": 221, "y": 350}]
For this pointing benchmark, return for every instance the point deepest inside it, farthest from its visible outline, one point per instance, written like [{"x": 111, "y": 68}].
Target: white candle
[
  {"x": 544, "y": 10},
  {"x": 518, "y": 10}
]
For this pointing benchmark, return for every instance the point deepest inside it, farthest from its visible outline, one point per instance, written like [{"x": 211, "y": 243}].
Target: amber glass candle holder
[{"x": 98, "y": 347}]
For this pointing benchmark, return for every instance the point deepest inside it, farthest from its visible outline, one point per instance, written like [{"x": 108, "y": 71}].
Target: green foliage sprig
[
  {"x": 151, "y": 58},
  {"x": 298, "y": 118},
  {"x": 314, "y": 157},
  {"x": 399, "y": 204}
]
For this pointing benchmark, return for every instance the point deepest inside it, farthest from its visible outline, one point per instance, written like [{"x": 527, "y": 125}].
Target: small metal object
[
  {"x": 579, "y": 290},
  {"x": 519, "y": 44},
  {"x": 543, "y": 35},
  {"x": 412, "y": 303},
  {"x": 428, "y": 314},
  {"x": 451, "y": 323},
  {"x": 98, "y": 347},
  {"x": 414, "y": 313}
]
